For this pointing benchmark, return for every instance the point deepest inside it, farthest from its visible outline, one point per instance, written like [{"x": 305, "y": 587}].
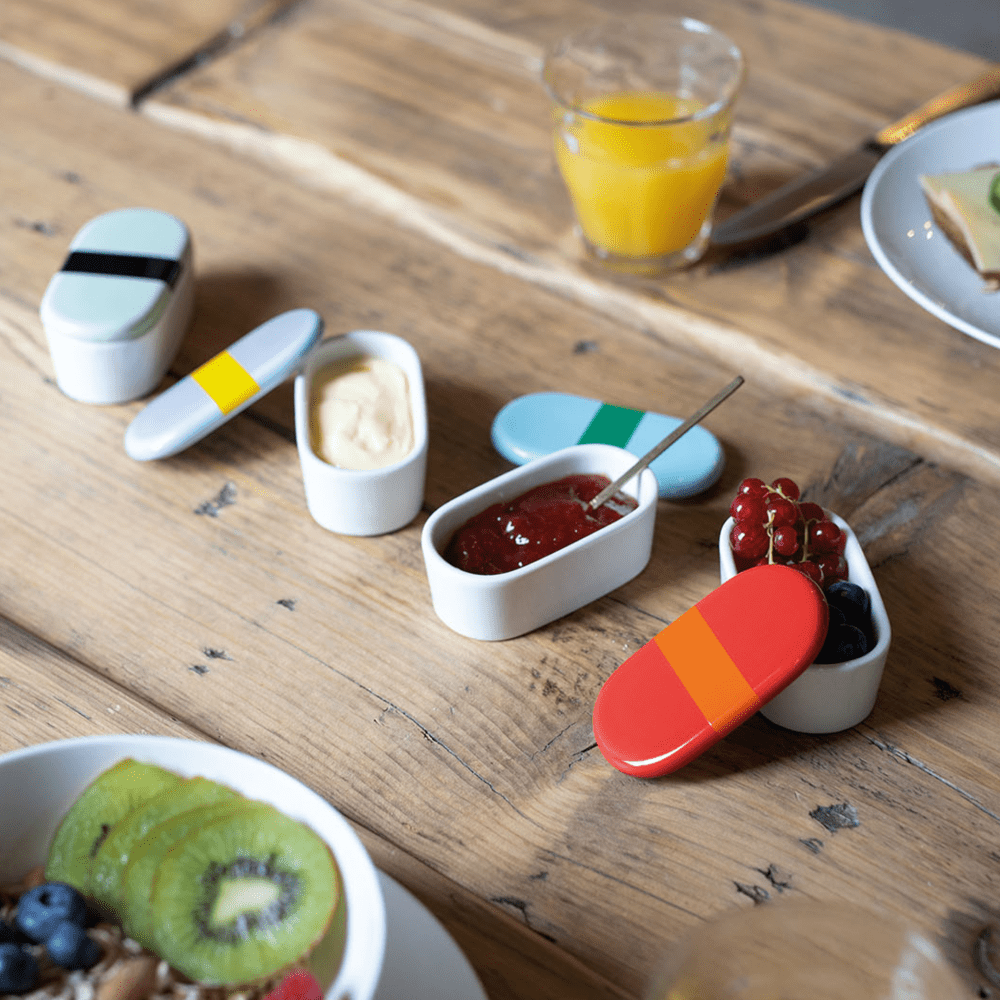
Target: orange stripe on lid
[{"x": 707, "y": 671}]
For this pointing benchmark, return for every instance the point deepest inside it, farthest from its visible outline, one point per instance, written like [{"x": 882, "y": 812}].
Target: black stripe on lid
[{"x": 124, "y": 265}]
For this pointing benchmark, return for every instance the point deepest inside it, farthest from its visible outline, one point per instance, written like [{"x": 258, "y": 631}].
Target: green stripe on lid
[{"x": 612, "y": 425}]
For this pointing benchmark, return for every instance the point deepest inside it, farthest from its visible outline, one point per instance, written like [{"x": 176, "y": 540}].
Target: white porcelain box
[
  {"x": 363, "y": 501},
  {"x": 506, "y": 605},
  {"x": 116, "y": 312},
  {"x": 829, "y": 697}
]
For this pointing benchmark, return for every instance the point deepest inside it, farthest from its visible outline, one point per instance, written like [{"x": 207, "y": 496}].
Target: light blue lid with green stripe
[{"x": 543, "y": 422}]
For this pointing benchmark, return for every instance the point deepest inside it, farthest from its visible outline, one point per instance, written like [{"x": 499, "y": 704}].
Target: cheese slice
[{"x": 966, "y": 205}]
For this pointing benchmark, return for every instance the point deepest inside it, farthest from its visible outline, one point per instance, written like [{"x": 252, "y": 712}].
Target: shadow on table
[
  {"x": 461, "y": 454},
  {"x": 685, "y": 530},
  {"x": 228, "y": 305}
]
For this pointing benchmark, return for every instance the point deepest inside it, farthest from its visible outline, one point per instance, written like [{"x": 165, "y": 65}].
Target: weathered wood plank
[
  {"x": 475, "y": 759},
  {"x": 46, "y": 695},
  {"x": 359, "y": 99},
  {"x": 116, "y": 49}
]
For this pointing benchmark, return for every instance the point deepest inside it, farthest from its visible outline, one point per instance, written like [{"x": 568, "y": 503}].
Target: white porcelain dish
[
  {"x": 40, "y": 783},
  {"x": 829, "y": 697},
  {"x": 116, "y": 312},
  {"x": 509, "y": 604},
  {"x": 363, "y": 501},
  {"x": 905, "y": 240}
]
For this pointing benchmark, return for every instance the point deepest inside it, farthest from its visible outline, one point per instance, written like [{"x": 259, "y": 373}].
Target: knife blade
[{"x": 818, "y": 189}]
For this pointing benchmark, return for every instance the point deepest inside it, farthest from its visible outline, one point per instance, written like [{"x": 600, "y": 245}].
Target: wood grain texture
[
  {"x": 360, "y": 100},
  {"x": 45, "y": 695},
  {"x": 116, "y": 49},
  {"x": 199, "y": 585}
]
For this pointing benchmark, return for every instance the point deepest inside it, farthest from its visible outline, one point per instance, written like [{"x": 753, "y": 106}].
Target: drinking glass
[{"x": 642, "y": 111}]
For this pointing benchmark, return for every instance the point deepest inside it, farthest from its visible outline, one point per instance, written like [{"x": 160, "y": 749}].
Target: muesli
[{"x": 125, "y": 970}]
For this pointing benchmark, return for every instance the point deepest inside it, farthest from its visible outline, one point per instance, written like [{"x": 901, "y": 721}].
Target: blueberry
[
  {"x": 843, "y": 642},
  {"x": 10, "y": 935},
  {"x": 852, "y": 600},
  {"x": 836, "y": 617},
  {"x": 18, "y": 969},
  {"x": 40, "y": 909},
  {"x": 70, "y": 947},
  {"x": 853, "y": 643}
]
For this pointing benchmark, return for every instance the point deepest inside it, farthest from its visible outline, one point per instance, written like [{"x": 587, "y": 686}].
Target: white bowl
[
  {"x": 509, "y": 604},
  {"x": 829, "y": 697},
  {"x": 363, "y": 501},
  {"x": 40, "y": 783}
]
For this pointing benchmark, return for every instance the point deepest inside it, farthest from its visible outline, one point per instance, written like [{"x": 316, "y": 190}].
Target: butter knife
[{"x": 805, "y": 196}]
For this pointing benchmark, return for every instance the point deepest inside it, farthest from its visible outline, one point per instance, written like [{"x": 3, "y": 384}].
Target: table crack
[
  {"x": 438, "y": 742},
  {"x": 908, "y": 758}
]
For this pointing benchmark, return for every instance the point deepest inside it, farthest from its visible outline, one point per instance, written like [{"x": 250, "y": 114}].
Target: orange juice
[{"x": 641, "y": 190}]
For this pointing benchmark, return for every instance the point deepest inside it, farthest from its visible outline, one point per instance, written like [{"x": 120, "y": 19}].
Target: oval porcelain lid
[
  {"x": 224, "y": 386},
  {"x": 709, "y": 670},
  {"x": 95, "y": 306},
  {"x": 543, "y": 422}
]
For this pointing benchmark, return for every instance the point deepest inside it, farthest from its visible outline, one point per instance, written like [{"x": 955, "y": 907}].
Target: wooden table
[{"x": 387, "y": 163}]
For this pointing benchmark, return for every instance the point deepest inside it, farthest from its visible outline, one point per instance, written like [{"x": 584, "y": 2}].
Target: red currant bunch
[{"x": 772, "y": 525}]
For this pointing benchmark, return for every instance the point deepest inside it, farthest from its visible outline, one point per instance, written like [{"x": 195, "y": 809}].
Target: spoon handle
[{"x": 658, "y": 449}]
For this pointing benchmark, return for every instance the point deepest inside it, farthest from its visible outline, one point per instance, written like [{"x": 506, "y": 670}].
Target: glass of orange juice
[{"x": 642, "y": 111}]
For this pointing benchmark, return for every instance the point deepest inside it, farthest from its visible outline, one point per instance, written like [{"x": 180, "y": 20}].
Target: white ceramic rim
[
  {"x": 456, "y": 512},
  {"x": 364, "y": 950}
]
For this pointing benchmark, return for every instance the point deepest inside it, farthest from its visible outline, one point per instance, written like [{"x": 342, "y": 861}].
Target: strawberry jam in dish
[{"x": 507, "y": 536}]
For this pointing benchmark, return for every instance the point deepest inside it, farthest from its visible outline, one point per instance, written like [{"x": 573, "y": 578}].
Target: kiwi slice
[
  {"x": 137, "y": 883},
  {"x": 111, "y": 795},
  {"x": 240, "y": 898},
  {"x": 104, "y": 880}
]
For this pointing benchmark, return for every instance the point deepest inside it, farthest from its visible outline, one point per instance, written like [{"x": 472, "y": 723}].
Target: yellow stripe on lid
[{"x": 226, "y": 381}]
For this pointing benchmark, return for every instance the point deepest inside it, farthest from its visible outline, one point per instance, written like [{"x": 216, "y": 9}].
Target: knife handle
[{"x": 982, "y": 88}]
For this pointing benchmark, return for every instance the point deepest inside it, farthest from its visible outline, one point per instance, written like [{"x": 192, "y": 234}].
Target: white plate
[
  {"x": 906, "y": 242},
  {"x": 422, "y": 962}
]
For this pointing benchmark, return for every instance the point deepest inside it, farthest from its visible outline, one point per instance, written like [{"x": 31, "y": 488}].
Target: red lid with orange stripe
[{"x": 709, "y": 670}]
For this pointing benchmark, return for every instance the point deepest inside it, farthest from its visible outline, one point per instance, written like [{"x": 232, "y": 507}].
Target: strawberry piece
[{"x": 299, "y": 984}]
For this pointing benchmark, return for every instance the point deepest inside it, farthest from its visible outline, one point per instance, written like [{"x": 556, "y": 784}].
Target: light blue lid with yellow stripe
[
  {"x": 543, "y": 422},
  {"x": 225, "y": 385}
]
